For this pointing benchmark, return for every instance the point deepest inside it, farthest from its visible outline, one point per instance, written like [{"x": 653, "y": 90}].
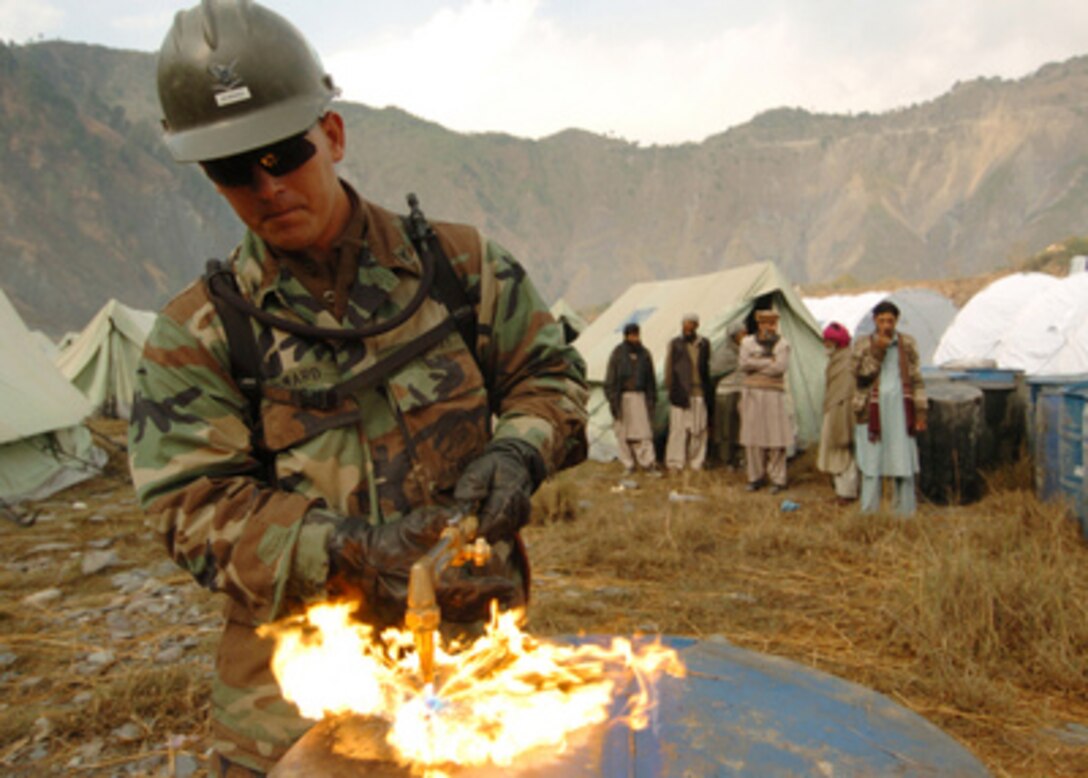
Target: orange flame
[{"x": 495, "y": 699}]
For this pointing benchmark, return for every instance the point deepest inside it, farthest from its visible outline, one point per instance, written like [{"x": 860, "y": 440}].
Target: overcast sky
[{"x": 663, "y": 71}]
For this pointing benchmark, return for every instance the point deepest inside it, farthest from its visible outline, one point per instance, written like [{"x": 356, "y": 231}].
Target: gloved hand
[
  {"x": 498, "y": 484},
  {"x": 374, "y": 561}
]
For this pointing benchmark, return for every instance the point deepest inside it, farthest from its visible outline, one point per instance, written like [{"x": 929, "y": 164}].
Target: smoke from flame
[{"x": 495, "y": 699}]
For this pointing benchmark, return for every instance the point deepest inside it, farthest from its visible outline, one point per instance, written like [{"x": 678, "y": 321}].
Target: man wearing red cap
[{"x": 836, "y": 452}]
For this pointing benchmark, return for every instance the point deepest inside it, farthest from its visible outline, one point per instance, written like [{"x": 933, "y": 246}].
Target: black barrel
[
  {"x": 1004, "y": 415},
  {"x": 949, "y": 449}
]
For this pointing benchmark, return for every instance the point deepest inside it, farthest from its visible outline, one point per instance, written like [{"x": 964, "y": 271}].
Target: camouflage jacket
[{"x": 400, "y": 444}]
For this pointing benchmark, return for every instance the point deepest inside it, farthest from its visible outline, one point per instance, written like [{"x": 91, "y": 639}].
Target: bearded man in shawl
[
  {"x": 765, "y": 427},
  {"x": 687, "y": 380},
  {"x": 890, "y": 408},
  {"x": 836, "y": 452},
  {"x": 631, "y": 389}
]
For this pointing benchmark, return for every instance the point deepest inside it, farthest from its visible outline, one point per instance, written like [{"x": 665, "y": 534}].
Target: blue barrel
[
  {"x": 1082, "y": 513},
  {"x": 1073, "y": 404},
  {"x": 1046, "y": 424},
  {"x": 1037, "y": 383},
  {"x": 736, "y": 713}
]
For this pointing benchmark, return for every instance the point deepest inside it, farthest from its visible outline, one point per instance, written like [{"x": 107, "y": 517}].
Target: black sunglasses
[{"x": 276, "y": 159}]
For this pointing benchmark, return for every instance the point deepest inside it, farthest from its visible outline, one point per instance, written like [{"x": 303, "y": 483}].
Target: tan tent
[
  {"x": 43, "y": 445},
  {"x": 101, "y": 360},
  {"x": 719, "y": 299}
]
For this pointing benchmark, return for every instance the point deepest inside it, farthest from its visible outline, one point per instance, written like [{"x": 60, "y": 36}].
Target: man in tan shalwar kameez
[
  {"x": 765, "y": 428},
  {"x": 836, "y": 452}
]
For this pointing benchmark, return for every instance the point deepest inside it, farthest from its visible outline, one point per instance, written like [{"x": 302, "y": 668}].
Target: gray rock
[
  {"x": 1072, "y": 734},
  {"x": 165, "y": 569},
  {"x": 40, "y": 752},
  {"x": 169, "y": 655},
  {"x": 127, "y": 733},
  {"x": 101, "y": 659},
  {"x": 100, "y": 543},
  {"x": 42, "y": 598},
  {"x": 7, "y": 659},
  {"x": 130, "y": 581},
  {"x": 156, "y": 608},
  {"x": 92, "y": 749},
  {"x": 30, "y": 682},
  {"x": 49, "y": 548},
  {"x": 185, "y": 765},
  {"x": 97, "y": 518},
  {"x": 152, "y": 587},
  {"x": 613, "y": 591},
  {"x": 83, "y": 698},
  {"x": 41, "y": 729},
  {"x": 96, "y": 561},
  {"x": 118, "y": 621}
]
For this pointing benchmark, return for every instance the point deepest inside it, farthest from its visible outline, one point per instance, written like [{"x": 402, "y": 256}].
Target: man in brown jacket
[
  {"x": 890, "y": 408},
  {"x": 687, "y": 381}
]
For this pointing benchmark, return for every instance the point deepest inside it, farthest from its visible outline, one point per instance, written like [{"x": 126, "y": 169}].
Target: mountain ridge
[{"x": 990, "y": 172}]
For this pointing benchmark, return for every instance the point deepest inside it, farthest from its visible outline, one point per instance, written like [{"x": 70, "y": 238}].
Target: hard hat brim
[{"x": 249, "y": 131}]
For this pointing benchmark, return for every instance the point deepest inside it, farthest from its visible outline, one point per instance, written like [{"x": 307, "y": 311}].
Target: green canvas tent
[
  {"x": 101, "y": 360},
  {"x": 43, "y": 445},
  {"x": 719, "y": 299}
]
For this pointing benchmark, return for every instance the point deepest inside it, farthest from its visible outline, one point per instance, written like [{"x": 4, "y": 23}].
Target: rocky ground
[{"x": 975, "y": 617}]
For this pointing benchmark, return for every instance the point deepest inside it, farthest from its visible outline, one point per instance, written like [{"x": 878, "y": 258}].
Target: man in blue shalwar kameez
[{"x": 890, "y": 408}]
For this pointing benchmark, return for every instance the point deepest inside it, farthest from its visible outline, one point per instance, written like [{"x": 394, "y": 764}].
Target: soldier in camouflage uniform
[{"x": 356, "y": 458}]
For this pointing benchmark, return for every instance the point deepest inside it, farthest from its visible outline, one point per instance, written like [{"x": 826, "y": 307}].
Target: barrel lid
[{"x": 736, "y": 713}]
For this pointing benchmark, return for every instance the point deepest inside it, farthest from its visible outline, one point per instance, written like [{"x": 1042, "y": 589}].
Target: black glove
[
  {"x": 498, "y": 485},
  {"x": 374, "y": 563}
]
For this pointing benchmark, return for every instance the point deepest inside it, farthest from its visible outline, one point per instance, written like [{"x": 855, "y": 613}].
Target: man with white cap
[
  {"x": 687, "y": 380},
  {"x": 765, "y": 428}
]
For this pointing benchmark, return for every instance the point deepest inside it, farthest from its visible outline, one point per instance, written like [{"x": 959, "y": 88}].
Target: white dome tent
[
  {"x": 1049, "y": 335},
  {"x": 923, "y": 314},
  {"x": 976, "y": 333},
  {"x": 847, "y": 309}
]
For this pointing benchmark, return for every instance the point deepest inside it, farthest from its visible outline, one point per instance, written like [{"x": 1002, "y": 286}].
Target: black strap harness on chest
[{"x": 439, "y": 281}]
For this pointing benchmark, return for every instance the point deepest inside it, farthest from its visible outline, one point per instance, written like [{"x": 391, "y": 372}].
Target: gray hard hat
[{"x": 234, "y": 76}]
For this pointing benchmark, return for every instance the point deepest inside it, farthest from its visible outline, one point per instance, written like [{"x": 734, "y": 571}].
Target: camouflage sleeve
[
  {"x": 539, "y": 381},
  {"x": 189, "y": 451}
]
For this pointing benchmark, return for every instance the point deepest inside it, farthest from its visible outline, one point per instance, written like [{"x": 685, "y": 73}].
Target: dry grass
[{"x": 975, "y": 617}]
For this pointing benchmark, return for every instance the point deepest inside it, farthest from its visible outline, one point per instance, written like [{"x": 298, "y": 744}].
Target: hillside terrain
[{"x": 92, "y": 207}]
